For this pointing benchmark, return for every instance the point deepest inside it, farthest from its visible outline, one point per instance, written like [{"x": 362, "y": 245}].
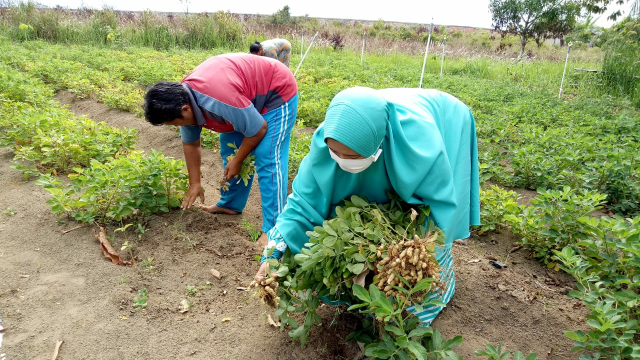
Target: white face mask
[{"x": 355, "y": 166}]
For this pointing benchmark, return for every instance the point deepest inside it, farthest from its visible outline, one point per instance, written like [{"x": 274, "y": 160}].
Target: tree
[
  {"x": 557, "y": 22},
  {"x": 533, "y": 19},
  {"x": 600, "y": 6},
  {"x": 585, "y": 30},
  {"x": 281, "y": 17}
]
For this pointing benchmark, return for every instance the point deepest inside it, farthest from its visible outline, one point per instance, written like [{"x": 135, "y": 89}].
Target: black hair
[
  {"x": 164, "y": 101},
  {"x": 255, "y": 47}
]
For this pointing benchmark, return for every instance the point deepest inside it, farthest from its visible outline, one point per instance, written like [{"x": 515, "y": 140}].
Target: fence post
[
  {"x": 362, "y": 56},
  {"x": 426, "y": 52},
  {"x": 444, "y": 43},
  {"x": 305, "y": 54},
  {"x": 565, "y": 70}
]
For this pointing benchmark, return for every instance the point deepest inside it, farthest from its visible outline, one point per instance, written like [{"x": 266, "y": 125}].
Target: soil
[{"x": 56, "y": 286}]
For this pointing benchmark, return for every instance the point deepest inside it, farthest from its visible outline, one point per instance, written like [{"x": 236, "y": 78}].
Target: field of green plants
[{"x": 579, "y": 152}]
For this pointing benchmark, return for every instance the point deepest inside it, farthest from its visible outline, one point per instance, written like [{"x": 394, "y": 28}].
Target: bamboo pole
[
  {"x": 426, "y": 52},
  {"x": 444, "y": 43},
  {"x": 305, "y": 54},
  {"x": 362, "y": 56},
  {"x": 565, "y": 70}
]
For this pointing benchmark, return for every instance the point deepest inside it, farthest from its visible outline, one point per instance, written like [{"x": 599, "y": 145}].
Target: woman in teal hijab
[{"x": 419, "y": 143}]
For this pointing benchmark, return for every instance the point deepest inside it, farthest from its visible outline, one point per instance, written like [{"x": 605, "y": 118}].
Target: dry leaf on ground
[
  {"x": 57, "y": 349},
  {"x": 215, "y": 273},
  {"x": 226, "y": 319},
  {"x": 184, "y": 306},
  {"x": 271, "y": 322},
  {"x": 108, "y": 250}
]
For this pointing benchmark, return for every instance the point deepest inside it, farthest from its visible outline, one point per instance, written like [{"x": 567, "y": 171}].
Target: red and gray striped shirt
[{"x": 230, "y": 92}]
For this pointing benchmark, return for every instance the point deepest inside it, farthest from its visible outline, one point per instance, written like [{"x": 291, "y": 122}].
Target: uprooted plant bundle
[
  {"x": 246, "y": 171},
  {"x": 266, "y": 290},
  {"x": 385, "y": 248}
]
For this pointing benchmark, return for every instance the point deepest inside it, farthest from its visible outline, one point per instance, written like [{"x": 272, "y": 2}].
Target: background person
[
  {"x": 418, "y": 143},
  {"x": 279, "y": 49},
  {"x": 252, "y": 102}
]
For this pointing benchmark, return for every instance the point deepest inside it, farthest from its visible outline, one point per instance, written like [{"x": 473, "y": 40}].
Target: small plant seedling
[
  {"x": 148, "y": 264},
  {"x": 140, "y": 301},
  {"x": 10, "y": 211},
  {"x": 123, "y": 281},
  {"x": 128, "y": 247},
  {"x": 140, "y": 229},
  {"x": 191, "y": 290},
  {"x": 493, "y": 353},
  {"x": 251, "y": 229}
]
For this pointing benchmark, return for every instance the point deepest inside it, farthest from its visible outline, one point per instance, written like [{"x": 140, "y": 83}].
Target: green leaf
[
  {"x": 356, "y": 306},
  {"x": 361, "y": 293},
  {"x": 359, "y": 257},
  {"x": 435, "y": 302},
  {"x": 378, "y": 353},
  {"x": 418, "y": 350},
  {"x": 403, "y": 355},
  {"x": 594, "y": 323},
  {"x": 359, "y": 202},
  {"x": 375, "y": 293},
  {"x": 355, "y": 268},
  {"x": 575, "y": 294},
  {"x": 385, "y": 304},
  {"x": 402, "y": 340},
  {"x": 329, "y": 241},
  {"x": 328, "y": 229},
  {"x": 575, "y": 336},
  {"x": 422, "y": 285},
  {"x": 282, "y": 271},
  {"x": 420, "y": 332},
  {"x": 395, "y": 330}
]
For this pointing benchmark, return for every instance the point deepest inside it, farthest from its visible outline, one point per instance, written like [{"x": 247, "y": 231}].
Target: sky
[{"x": 473, "y": 13}]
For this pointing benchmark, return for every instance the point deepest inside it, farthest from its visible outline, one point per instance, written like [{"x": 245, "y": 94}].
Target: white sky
[{"x": 450, "y": 12}]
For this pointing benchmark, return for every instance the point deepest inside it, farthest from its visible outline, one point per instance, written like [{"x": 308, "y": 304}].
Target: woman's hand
[
  {"x": 262, "y": 272},
  {"x": 232, "y": 169}
]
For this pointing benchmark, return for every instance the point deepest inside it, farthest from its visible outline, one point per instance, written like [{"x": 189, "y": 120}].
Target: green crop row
[
  {"x": 110, "y": 181},
  {"x": 603, "y": 255},
  {"x": 47, "y": 138}
]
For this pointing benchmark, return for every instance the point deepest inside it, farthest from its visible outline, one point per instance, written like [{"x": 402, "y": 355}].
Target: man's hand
[
  {"x": 195, "y": 191},
  {"x": 262, "y": 272},
  {"x": 232, "y": 169}
]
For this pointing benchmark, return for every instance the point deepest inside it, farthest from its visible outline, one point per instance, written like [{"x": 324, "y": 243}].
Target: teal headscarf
[
  {"x": 429, "y": 156},
  {"x": 357, "y": 118}
]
